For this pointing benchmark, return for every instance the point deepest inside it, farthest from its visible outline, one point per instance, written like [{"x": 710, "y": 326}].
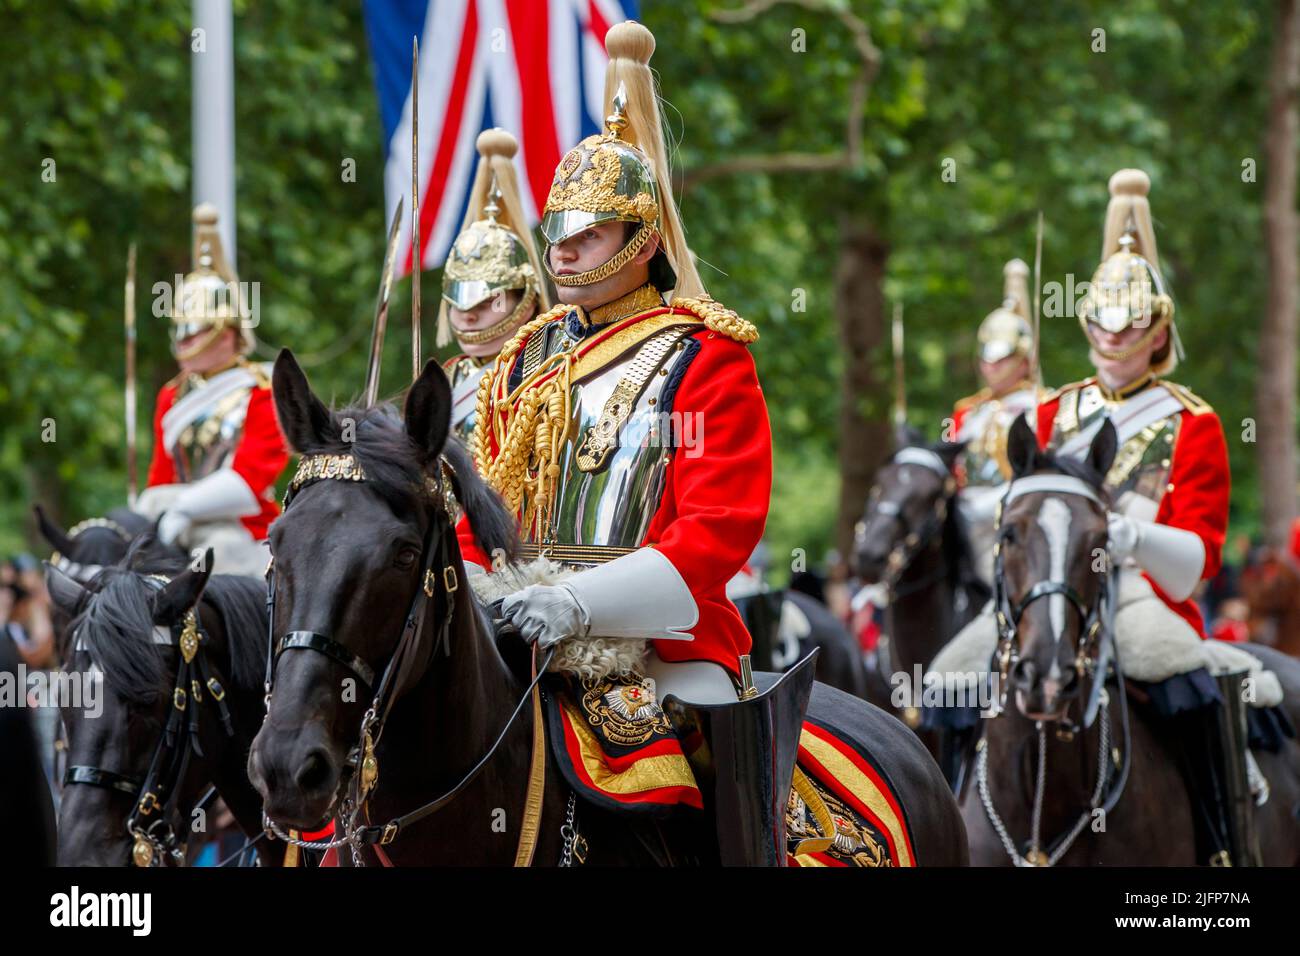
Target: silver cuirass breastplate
[
  {"x": 618, "y": 445},
  {"x": 1141, "y": 465},
  {"x": 465, "y": 374},
  {"x": 209, "y": 441},
  {"x": 984, "y": 430}
]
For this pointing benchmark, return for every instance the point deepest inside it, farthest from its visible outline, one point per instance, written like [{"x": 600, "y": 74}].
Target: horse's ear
[
  {"x": 65, "y": 591},
  {"x": 182, "y": 592},
  {"x": 51, "y": 532},
  {"x": 304, "y": 419},
  {"x": 948, "y": 451},
  {"x": 905, "y": 436},
  {"x": 1022, "y": 447},
  {"x": 428, "y": 410},
  {"x": 1101, "y": 453}
]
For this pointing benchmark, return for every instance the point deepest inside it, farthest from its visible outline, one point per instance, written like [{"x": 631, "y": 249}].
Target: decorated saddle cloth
[{"x": 617, "y": 749}]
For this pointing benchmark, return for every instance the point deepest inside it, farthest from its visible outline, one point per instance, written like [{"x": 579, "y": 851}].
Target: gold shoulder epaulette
[
  {"x": 555, "y": 312},
  {"x": 718, "y": 318},
  {"x": 1189, "y": 399},
  {"x": 970, "y": 401},
  {"x": 1058, "y": 392},
  {"x": 259, "y": 374}
]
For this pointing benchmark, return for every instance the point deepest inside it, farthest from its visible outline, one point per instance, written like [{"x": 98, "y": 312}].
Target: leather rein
[
  {"x": 156, "y": 819},
  {"x": 438, "y": 582}
]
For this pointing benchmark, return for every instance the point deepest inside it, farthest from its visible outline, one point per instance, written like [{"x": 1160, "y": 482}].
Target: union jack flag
[{"x": 533, "y": 67}]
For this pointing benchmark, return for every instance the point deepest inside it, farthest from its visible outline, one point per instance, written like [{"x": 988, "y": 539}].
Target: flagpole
[
  {"x": 212, "y": 114},
  {"x": 415, "y": 208}
]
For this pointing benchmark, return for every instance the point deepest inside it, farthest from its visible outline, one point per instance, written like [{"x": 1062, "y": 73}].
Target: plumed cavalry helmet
[
  {"x": 1127, "y": 288},
  {"x": 494, "y": 252},
  {"x": 209, "y": 297},
  {"x": 1005, "y": 331},
  {"x": 621, "y": 175}
]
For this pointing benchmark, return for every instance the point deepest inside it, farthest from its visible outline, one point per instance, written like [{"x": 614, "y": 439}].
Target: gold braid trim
[
  {"x": 718, "y": 318},
  {"x": 515, "y": 431},
  {"x": 1119, "y": 355},
  {"x": 497, "y": 329},
  {"x": 611, "y": 266}
]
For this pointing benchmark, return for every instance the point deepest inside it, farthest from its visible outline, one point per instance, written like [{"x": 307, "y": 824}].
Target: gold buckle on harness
[
  {"x": 428, "y": 582},
  {"x": 390, "y": 833},
  {"x": 178, "y": 698},
  {"x": 218, "y": 692},
  {"x": 449, "y": 580},
  {"x": 148, "y": 803}
]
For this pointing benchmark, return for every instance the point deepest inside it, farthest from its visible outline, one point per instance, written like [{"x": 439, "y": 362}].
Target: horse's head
[
  {"x": 365, "y": 532},
  {"x": 88, "y": 547},
  {"x": 906, "y": 508},
  {"x": 1051, "y": 569},
  {"x": 116, "y": 695}
]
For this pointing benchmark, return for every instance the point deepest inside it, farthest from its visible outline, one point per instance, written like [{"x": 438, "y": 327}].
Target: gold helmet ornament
[
  {"x": 622, "y": 175},
  {"x": 1127, "y": 289},
  {"x": 208, "y": 299},
  {"x": 494, "y": 252},
  {"x": 1006, "y": 331}
]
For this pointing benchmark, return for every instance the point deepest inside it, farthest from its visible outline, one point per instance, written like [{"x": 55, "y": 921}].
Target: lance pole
[{"x": 128, "y": 320}]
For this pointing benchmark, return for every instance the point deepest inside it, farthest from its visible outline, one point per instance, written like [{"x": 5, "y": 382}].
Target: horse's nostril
[
  {"x": 314, "y": 773},
  {"x": 1023, "y": 673}
]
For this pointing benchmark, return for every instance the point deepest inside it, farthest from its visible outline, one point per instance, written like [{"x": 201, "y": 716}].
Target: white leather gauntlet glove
[
  {"x": 638, "y": 596},
  {"x": 1173, "y": 558},
  {"x": 222, "y": 495}
]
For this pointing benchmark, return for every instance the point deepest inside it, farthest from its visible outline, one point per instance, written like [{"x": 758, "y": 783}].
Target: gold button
[
  {"x": 652, "y": 401},
  {"x": 1165, "y": 463},
  {"x": 1169, "y": 487}
]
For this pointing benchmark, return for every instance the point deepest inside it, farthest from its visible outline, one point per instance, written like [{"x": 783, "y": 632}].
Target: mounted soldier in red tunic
[
  {"x": 217, "y": 448},
  {"x": 981, "y": 420},
  {"x": 1168, "y": 487},
  {"x": 491, "y": 283}
]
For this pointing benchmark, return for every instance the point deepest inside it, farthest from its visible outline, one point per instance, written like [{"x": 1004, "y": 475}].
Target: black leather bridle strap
[
  {"x": 388, "y": 832},
  {"x": 310, "y": 640},
  {"x": 95, "y": 777}
]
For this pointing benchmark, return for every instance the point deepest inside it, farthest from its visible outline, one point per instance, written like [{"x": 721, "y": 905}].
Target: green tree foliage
[{"x": 1016, "y": 93}]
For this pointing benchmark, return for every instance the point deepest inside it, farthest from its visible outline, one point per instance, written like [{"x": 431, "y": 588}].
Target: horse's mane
[
  {"x": 395, "y": 468},
  {"x": 116, "y": 625}
]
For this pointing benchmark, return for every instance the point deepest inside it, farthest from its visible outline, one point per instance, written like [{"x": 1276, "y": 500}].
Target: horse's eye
[{"x": 406, "y": 558}]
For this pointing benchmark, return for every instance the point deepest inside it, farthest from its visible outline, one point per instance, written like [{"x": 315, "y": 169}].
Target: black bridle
[
  {"x": 915, "y": 540},
  {"x": 156, "y": 821},
  {"x": 439, "y": 582},
  {"x": 1095, "y": 655}
]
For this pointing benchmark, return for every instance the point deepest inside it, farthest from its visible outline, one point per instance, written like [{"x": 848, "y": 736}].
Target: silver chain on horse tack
[
  {"x": 981, "y": 772},
  {"x": 568, "y": 834}
]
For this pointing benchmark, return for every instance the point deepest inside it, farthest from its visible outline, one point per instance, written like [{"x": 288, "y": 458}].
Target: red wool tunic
[
  {"x": 716, "y": 497},
  {"x": 259, "y": 458},
  {"x": 1196, "y": 497}
]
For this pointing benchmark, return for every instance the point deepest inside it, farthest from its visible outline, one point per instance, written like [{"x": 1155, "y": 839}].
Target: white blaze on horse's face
[{"x": 1054, "y": 517}]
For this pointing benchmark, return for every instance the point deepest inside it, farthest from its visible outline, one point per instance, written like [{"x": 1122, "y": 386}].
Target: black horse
[
  {"x": 911, "y": 540},
  {"x": 161, "y": 731},
  {"x": 350, "y": 559}
]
